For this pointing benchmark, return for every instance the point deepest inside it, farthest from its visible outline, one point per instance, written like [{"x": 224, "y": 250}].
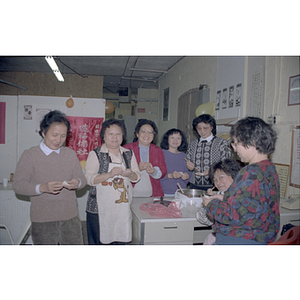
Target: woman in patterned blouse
[
  {"x": 249, "y": 211},
  {"x": 207, "y": 150}
]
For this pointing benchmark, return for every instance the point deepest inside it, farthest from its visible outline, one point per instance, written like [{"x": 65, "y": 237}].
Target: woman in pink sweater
[{"x": 50, "y": 174}]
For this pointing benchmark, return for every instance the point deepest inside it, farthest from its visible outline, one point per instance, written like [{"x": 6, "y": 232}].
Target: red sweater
[{"x": 157, "y": 159}]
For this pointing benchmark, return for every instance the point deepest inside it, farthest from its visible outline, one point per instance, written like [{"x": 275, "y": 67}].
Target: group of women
[{"x": 50, "y": 174}]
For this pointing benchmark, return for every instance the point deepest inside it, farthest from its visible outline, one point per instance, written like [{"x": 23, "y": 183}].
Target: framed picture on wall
[
  {"x": 295, "y": 158},
  {"x": 166, "y": 105},
  {"x": 224, "y": 99},
  {"x": 283, "y": 174},
  {"x": 294, "y": 90}
]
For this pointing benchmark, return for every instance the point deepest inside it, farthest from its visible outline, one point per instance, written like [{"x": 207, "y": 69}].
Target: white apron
[
  {"x": 114, "y": 197},
  {"x": 143, "y": 188}
]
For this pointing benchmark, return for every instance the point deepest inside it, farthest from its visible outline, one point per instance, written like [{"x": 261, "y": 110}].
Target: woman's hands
[
  {"x": 190, "y": 165},
  {"x": 146, "y": 166},
  {"x": 54, "y": 187},
  {"x": 129, "y": 173},
  {"x": 177, "y": 175},
  {"x": 206, "y": 199}
]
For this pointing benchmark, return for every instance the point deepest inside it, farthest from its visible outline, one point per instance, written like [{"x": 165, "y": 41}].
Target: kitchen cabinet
[
  {"x": 14, "y": 214},
  {"x": 149, "y": 230}
]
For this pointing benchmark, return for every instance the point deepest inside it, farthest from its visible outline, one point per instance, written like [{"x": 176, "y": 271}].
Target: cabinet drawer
[{"x": 164, "y": 233}]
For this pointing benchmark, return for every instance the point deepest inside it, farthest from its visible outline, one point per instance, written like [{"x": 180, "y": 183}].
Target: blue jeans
[{"x": 230, "y": 240}]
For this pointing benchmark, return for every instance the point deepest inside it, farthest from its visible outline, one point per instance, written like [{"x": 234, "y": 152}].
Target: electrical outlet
[{"x": 276, "y": 119}]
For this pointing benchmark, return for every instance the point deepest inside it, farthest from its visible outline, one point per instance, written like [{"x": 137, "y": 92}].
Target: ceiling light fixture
[
  {"x": 152, "y": 71},
  {"x": 52, "y": 64},
  {"x": 139, "y": 79}
]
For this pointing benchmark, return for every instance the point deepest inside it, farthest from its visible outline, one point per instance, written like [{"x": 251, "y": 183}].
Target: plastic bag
[
  {"x": 161, "y": 211},
  {"x": 202, "y": 217}
]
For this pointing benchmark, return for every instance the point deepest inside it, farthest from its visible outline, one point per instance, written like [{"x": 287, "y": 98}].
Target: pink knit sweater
[{"x": 34, "y": 167}]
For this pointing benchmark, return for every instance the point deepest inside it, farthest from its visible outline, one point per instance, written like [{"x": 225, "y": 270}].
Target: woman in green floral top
[{"x": 248, "y": 213}]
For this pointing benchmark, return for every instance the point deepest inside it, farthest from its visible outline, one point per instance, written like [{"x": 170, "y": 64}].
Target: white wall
[
  {"x": 278, "y": 71},
  {"x": 189, "y": 73},
  {"x": 193, "y": 71},
  {"x": 8, "y": 151},
  {"x": 20, "y": 134}
]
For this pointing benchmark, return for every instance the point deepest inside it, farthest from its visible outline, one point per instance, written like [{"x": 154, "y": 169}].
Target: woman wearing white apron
[{"x": 110, "y": 169}]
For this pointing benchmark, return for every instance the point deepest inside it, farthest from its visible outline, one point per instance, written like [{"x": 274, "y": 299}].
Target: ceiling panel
[{"x": 118, "y": 71}]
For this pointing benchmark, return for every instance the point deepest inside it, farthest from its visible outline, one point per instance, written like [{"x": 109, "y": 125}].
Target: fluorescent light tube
[{"x": 52, "y": 64}]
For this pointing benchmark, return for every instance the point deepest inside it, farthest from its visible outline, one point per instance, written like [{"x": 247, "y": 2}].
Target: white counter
[{"x": 150, "y": 230}]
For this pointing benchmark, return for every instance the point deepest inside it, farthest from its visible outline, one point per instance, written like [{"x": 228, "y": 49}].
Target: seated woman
[
  {"x": 249, "y": 212},
  {"x": 222, "y": 175},
  {"x": 174, "y": 146},
  {"x": 150, "y": 159}
]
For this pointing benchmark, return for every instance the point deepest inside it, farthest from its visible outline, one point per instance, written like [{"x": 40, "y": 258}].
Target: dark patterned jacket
[{"x": 204, "y": 155}]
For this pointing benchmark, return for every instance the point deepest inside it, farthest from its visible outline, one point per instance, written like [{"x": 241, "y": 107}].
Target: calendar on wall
[
  {"x": 257, "y": 95},
  {"x": 256, "y": 86}
]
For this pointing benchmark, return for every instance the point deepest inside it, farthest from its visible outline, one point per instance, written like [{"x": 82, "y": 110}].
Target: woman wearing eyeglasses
[
  {"x": 203, "y": 152},
  {"x": 150, "y": 159}
]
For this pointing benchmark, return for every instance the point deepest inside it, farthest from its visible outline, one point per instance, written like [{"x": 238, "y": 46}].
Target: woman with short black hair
[
  {"x": 174, "y": 146},
  {"x": 150, "y": 159},
  {"x": 249, "y": 211},
  {"x": 205, "y": 151},
  {"x": 50, "y": 174}
]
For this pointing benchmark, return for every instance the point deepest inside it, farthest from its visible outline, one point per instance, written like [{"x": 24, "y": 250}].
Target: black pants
[
  {"x": 93, "y": 231},
  {"x": 92, "y": 228}
]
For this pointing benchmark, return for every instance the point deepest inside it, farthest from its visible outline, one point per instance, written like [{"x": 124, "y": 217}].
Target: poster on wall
[
  {"x": 218, "y": 100},
  {"x": 40, "y": 113},
  {"x": 27, "y": 113},
  {"x": 224, "y": 99},
  {"x": 230, "y": 98},
  {"x": 84, "y": 136},
  {"x": 2, "y": 122},
  {"x": 238, "y": 95}
]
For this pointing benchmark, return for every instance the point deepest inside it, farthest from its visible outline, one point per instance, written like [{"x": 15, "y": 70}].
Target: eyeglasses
[{"x": 145, "y": 132}]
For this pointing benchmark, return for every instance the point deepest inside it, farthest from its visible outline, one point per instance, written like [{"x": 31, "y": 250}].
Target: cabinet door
[{"x": 187, "y": 104}]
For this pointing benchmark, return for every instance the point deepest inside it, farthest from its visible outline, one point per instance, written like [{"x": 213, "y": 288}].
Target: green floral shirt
[{"x": 250, "y": 208}]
